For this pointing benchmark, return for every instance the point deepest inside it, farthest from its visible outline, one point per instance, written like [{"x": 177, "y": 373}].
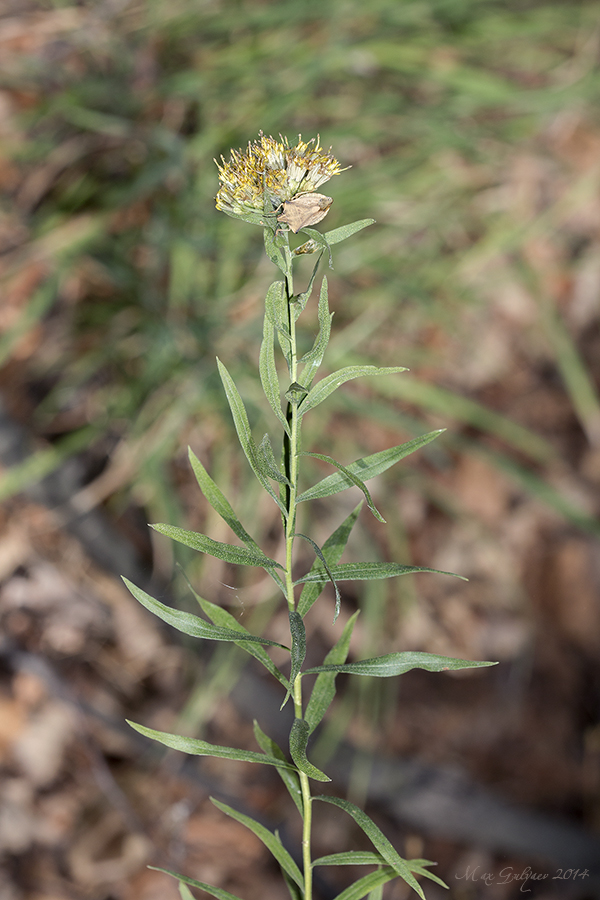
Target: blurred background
[{"x": 473, "y": 134}]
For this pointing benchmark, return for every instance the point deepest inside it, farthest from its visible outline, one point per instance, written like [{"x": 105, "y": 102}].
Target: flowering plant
[{"x": 274, "y": 185}]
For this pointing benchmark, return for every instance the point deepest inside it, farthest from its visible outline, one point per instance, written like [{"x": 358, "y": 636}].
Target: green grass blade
[
  {"x": 397, "y": 663},
  {"x": 366, "y": 467},
  {"x": 323, "y": 690},
  {"x": 289, "y": 777},
  {"x": 379, "y": 841},
  {"x": 192, "y": 625},
  {"x": 196, "y": 747},
  {"x": 240, "y": 556},
  {"x": 270, "y": 841},
  {"x": 298, "y": 740},
  {"x": 367, "y": 571},
  {"x": 330, "y": 383}
]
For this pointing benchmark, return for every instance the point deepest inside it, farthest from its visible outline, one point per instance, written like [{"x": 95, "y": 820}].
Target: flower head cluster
[{"x": 271, "y": 172}]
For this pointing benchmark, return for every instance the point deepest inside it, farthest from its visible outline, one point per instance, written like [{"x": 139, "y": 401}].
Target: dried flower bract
[{"x": 268, "y": 173}]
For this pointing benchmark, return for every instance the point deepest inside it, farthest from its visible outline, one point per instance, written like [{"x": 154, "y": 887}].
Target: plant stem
[{"x": 291, "y": 454}]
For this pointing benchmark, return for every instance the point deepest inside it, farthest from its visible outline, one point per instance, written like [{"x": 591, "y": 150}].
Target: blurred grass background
[{"x": 473, "y": 133}]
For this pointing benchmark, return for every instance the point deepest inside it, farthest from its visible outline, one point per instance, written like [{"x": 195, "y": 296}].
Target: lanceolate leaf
[
  {"x": 276, "y": 308},
  {"x": 397, "y": 663},
  {"x": 298, "y": 644},
  {"x": 332, "y": 550},
  {"x": 322, "y": 559},
  {"x": 268, "y": 838},
  {"x": 221, "y": 617},
  {"x": 289, "y": 778},
  {"x": 241, "y": 556},
  {"x": 364, "y": 858},
  {"x": 300, "y": 300},
  {"x": 184, "y": 892},
  {"x": 298, "y": 740},
  {"x": 219, "y": 893},
  {"x": 190, "y": 624},
  {"x": 354, "y": 479},
  {"x": 346, "y": 231},
  {"x": 323, "y": 691},
  {"x": 379, "y": 841},
  {"x": 366, "y": 467},
  {"x": 269, "y": 464},
  {"x": 328, "y": 385},
  {"x": 367, "y": 571},
  {"x": 195, "y": 747},
  {"x": 267, "y": 369},
  {"x": 242, "y": 426},
  {"x": 368, "y": 883},
  {"x": 314, "y": 357}
]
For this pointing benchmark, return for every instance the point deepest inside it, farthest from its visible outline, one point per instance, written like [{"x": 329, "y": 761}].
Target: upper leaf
[
  {"x": 354, "y": 479},
  {"x": 240, "y": 556},
  {"x": 289, "y": 778},
  {"x": 268, "y": 838},
  {"x": 328, "y": 385},
  {"x": 323, "y": 690},
  {"x": 397, "y": 663},
  {"x": 368, "y": 883},
  {"x": 223, "y": 618},
  {"x": 266, "y": 365},
  {"x": 190, "y": 624},
  {"x": 366, "y": 467},
  {"x": 314, "y": 357},
  {"x": 298, "y": 740},
  {"x": 242, "y": 426},
  {"x": 367, "y": 571},
  {"x": 379, "y": 841},
  {"x": 196, "y": 747},
  {"x": 346, "y": 231},
  {"x": 332, "y": 549}
]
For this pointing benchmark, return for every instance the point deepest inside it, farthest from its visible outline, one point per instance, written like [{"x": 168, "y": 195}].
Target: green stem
[{"x": 291, "y": 455}]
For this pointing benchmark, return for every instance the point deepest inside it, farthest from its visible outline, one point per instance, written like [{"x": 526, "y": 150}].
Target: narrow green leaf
[
  {"x": 269, "y": 463},
  {"x": 295, "y": 892},
  {"x": 376, "y": 893},
  {"x": 356, "y": 481},
  {"x": 397, "y": 663},
  {"x": 323, "y": 691},
  {"x": 187, "y": 623},
  {"x": 366, "y": 467},
  {"x": 346, "y": 231},
  {"x": 418, "y": 867},
  {"x": 242, "y": 426},
  {"x": 276, "y": 308},
  {"x": 298, "y": 633},
  {"x": 196, "y": 747},
  {"x": 379, "y": 841},
  {"x": 219, "y": 893},
  {"x": 222, "y": 506},
  {"x": 184, "y": 892},
  {"x": 298, "y": 740},
  {"x": 323, "y": 561},
  {"x": 270, "y": 841},
  {"x": 367, "y": 571},
  {"x": 240, "y": 556},
  {"x": 332, "y": 550},
  {"x": 289, "y": 777},
  {"x": 351, "y": 858},
  {"x": 328, "y": 385},
  {"x": 272, "y": 250},
  {"x": 220, "y": 616},
  {"x": 368, "y": 883},
  {"x": 313, "y": 359},
  {"x": 300, "y": 300},
  {"x": 267, "y": 368}
]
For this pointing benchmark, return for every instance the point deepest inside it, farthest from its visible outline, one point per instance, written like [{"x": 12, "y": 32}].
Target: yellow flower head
[{"x": 270, "y": 172}]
